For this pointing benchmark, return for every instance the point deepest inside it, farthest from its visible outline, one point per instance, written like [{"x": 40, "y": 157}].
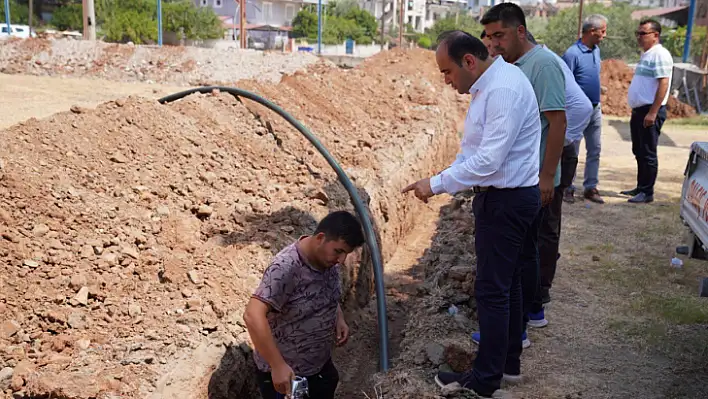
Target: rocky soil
[
  {"x": 437, "y": 338},
  {"x": 616, "y": 77},
  {"x": 122, "y": 62},
  {"x": 133, "y": 234}
]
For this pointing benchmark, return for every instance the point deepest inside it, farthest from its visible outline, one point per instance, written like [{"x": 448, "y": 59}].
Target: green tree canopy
[
  {"x": 462, "y": 22},
  {"x": 562, "y": 30},
  {"x": 19, "y": 14},
  {"x": 344, "y": 19}
]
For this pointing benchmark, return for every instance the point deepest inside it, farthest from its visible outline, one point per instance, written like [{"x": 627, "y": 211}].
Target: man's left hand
[
  {"x": 649, "y": 119},
  {"x": 342, "y": 331},
  {"x": 421, "y": 188}
]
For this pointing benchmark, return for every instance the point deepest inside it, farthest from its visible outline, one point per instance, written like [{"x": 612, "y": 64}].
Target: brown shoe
[
  {"x": 569, "y": 195},
  {"x": 593, "y": 195}
]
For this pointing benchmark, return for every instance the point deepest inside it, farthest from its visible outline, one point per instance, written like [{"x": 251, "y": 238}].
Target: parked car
[{"x": 21, "y": 31}]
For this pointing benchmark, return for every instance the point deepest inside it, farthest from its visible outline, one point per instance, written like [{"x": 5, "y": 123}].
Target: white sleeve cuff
[{"x": 436, "y": 184}]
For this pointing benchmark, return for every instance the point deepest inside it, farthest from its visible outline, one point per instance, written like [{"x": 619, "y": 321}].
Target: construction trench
[{"x": 135, "y": 232}]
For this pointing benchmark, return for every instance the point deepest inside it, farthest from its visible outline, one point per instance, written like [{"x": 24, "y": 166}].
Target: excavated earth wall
[{"x": 133, "y": 234}]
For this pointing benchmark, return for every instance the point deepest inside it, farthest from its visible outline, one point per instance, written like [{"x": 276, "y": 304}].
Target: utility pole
[
  {"x": 159, "y": 23},
  {"x": 242, "y": 23},
  {"x": 7, "y": 17},
  {"x": 30, "y": 17},
  {"x": 580, "y": 19},
  {"x": 319, "y": 27},
  {"x": 89, "y": 20},
  {"x": 689, "y": 31},
  {"x": 383, "y": 17},
  {"x": 400, "y": 25}
]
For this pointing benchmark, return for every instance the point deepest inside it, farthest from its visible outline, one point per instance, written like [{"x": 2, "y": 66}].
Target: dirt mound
[
  {"x": 134, "y": 233},
  {"x": 167, "y": 64},
  {"x": 616, "y": 76}
]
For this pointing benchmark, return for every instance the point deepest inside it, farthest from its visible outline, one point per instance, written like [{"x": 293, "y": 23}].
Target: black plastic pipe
[{"x": 348, "y": 185}]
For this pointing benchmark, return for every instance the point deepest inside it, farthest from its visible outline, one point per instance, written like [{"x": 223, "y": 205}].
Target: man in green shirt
[{"x": 505, "y": 26}]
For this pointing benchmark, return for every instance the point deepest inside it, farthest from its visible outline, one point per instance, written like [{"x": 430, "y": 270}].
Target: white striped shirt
[{"x": 502, "y": 135}]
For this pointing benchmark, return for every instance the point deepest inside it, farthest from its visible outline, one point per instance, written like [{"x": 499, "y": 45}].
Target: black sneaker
[
  {"x": 631, "y": 192},
  {"x": 641, "y": 198}
]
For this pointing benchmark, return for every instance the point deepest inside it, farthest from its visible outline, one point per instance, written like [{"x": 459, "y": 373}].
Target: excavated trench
[{"x": 167, "y": 216}]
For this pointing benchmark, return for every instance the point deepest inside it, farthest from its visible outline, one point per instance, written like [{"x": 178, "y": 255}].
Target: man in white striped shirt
[{"x": 498, "y": 160}]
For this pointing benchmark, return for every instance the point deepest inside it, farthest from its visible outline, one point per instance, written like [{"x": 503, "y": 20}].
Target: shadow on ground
[{"x": 625, "y": 133}]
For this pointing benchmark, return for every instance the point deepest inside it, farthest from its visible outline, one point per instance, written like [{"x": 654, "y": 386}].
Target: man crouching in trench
[{"x": 294, "y": 314}]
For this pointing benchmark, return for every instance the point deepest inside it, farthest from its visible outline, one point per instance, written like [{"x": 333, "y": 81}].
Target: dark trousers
[
  {"x": 644, "y": 143},
  {"x": 503, "y": 221},
  {"x": 569, "y": 164},
  {"x": 321, "y": 385},
  {"x": 531, "y": 271},
  {"x": 549, "y": 238}
]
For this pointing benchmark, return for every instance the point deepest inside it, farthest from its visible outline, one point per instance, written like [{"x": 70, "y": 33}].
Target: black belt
[{"x": 483, "y": 189}]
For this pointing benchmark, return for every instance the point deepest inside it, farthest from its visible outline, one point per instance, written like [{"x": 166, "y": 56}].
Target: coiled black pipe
[{"x": 348, "y": 185}]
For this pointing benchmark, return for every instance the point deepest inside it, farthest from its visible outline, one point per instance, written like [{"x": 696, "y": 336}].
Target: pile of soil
[
  {"x": 133, "y": 234},
  {"x": 125, "y": 62},
  {"x": 615, "y": 77}
]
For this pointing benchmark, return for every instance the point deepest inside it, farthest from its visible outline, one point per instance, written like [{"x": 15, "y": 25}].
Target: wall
[{"x": 360, "y": 50}]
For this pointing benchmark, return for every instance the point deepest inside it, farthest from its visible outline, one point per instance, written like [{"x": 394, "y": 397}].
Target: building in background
[{"x": 268, "y": 22}]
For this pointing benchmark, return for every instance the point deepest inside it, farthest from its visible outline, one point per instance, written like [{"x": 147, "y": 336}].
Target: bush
[
  {"x": 136, "y": 20},
  {"x": 68, "y": 17},
  {"x": 425, "y": 41}
]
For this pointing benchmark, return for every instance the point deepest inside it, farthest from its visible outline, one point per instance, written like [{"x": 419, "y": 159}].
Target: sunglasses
[{"x": 642, "y": 33}]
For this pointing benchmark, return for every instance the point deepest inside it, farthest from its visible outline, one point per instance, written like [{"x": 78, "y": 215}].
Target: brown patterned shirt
[{"x": 304, "y": 310}]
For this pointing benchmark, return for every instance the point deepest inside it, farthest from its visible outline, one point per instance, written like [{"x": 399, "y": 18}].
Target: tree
[
  {"x": 462, "y": 22},
  {"x": 344, "y": 20},
  {"x": 19, "y": 14},
  {"x": 68, "y": 17},
  {"x": 562, "y": 30},
  {"x": 673, "y": 40}
]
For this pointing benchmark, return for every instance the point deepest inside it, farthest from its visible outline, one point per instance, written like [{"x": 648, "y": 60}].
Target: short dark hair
[
  {"x": 460, "y": 43},
  {"x": 655, "y": 25},
  {"x": 341, "y": 225},
  {"x": 509, "y": 14}
]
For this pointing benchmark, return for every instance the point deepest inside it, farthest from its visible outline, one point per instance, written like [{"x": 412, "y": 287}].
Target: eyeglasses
[{"x": 642, "y": 33}]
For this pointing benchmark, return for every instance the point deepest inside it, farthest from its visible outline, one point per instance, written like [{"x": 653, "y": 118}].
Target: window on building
[
  {"x": 218, "y": 3},
  {"x": 289, "y": 12},
  {"x": 267, "y": 11},
  {"x": 204, "y": 3}
]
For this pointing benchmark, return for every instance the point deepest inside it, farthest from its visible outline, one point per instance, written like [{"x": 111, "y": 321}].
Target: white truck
[{"x": 694, "y": 207}]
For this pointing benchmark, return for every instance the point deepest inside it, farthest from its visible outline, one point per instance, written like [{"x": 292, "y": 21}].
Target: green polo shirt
[{"x": 548, "y": 82}]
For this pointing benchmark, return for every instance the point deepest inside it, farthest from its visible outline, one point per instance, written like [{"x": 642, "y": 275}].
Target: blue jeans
[{"x": 592, "y": 135}]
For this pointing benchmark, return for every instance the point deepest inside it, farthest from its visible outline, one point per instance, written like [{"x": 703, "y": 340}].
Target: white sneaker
[{"x": 513, "y": 379}]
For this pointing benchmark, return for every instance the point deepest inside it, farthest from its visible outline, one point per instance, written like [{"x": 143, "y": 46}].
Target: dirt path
[
  {"x": 623, "y": 324},
  {"x": 39, "y": 97}
]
